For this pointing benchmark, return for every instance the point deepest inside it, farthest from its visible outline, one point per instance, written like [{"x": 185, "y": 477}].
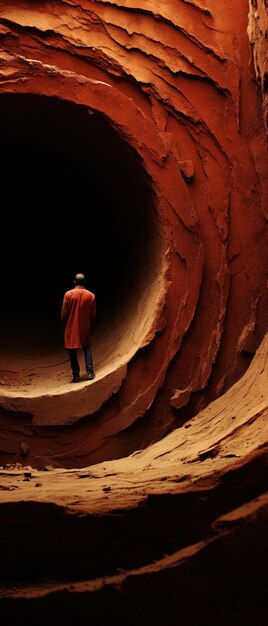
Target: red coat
[{"x": 78, "y": 315}]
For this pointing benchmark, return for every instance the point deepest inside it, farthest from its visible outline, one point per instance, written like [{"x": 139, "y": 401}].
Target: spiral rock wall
[
  {"x": 175, "y": 81},
  {"x": 176, "y": 532}
]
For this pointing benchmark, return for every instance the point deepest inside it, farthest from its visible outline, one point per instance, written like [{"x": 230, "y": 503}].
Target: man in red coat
[{"x": 78, "y": 316}]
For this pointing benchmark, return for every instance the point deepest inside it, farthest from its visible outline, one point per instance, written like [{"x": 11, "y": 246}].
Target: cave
[
  {"x": 82, "y": 202},
  {"x": 134, "y": 149}
]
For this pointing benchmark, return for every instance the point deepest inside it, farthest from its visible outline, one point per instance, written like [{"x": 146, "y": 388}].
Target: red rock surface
[
  {"x": 257, "y": 31},
  {"x": 157, "y": 102},
  {"x": 175, "y": 83},
  {"x": 178, "y": 530}
]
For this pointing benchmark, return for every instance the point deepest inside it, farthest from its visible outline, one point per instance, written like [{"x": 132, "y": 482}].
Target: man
[{"x": 78, "y": 316}]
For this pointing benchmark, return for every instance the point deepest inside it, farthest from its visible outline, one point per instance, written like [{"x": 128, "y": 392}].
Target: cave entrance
[{"x": 77, "y": 199}]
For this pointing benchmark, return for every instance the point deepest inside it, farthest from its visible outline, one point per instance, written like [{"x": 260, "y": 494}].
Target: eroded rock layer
[
  {"x": 176, "y": 531},
  {"x": 257, "y": 31},
  {"x": 170, "y": 87},
  {"x": 152, "y": 109}
]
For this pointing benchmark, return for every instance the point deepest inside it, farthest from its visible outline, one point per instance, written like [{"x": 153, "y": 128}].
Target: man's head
[{"x": 80, "y": 279}]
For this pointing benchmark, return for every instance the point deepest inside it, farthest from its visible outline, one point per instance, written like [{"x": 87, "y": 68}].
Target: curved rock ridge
[
  {"x": 174, "y": 83},
  {"x": 178, "y": 529},
  {"x": 152, "y": 107}
]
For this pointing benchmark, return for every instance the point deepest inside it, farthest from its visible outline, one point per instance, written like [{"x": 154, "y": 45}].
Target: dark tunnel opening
[{"x": 77, "y": 199}]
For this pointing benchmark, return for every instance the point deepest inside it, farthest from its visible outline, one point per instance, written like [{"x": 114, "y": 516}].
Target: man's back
[{"x": 78, "y": 315}]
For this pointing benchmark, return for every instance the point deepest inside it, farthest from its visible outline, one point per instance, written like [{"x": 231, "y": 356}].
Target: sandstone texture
[
  {"x": 160, "y": 102},
  {"x": 257, "y": 31},
  {"x": 142, "y": 495}
]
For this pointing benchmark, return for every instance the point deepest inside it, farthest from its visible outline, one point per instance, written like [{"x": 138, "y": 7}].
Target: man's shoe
[
  {"x": 76, "y": 379},
  {"x": 90, "y": 376}
]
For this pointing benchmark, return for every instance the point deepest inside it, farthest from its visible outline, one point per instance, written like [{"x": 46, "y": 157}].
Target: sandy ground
[
  {"x": 229, "y": 430},
  {"x": 41, "y": 383},
  {"x": 187, "y": 517}
]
